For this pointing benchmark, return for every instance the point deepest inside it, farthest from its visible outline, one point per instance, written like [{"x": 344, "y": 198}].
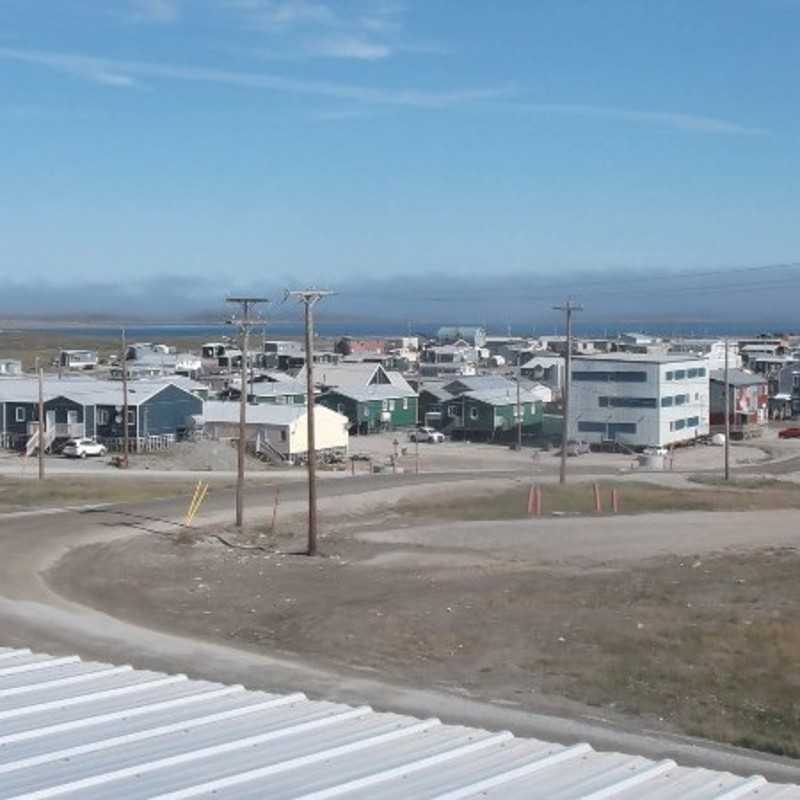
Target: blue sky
[{"x": 285, "y": 141}]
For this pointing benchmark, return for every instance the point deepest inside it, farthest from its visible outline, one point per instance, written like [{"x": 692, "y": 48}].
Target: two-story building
[{"x": 639, "y": 400}]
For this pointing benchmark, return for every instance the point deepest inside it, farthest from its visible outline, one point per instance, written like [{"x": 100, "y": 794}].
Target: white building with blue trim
[{"x": 639, "y": 400}]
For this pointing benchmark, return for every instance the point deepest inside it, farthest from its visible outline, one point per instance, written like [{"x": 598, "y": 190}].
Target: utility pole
[
  {"x": 40, "y": 376},
  {"x": 126, "y": 445},
  {"x": 727, "y": 416},
  {"x": 568, "y": 308},
  {"x": 245, "y": 322},
  {"x": 309, "y": 298},
  {"x": 519, "y": 408}
]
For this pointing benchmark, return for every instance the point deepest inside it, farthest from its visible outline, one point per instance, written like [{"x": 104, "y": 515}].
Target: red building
[{"x": 349, "y": 346}]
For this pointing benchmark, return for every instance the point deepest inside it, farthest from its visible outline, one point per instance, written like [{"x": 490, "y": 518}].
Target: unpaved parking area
[
  {"x": 687, "y": 620},
  {"x": 458, "y": 455}
]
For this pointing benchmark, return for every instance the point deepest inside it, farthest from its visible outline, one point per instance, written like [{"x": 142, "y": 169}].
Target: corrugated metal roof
[{"x": 87, "y": 730}]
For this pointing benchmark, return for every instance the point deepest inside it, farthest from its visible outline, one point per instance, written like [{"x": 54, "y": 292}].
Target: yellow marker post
[{"x": 199, "y": 495}]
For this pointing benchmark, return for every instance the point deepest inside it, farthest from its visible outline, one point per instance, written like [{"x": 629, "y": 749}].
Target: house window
[
  {"x": 385, "y": 405},
  {"x": 701, "y": 372},
  {"x": 392, "y": 405},
  {"x": 366, "y": 411},
  {"x": 290, "y": 401},
  {"x": 452, "y": 412},
  {"x": 473, "y": 413},
  {"x": 405, "y": 404},
  {"x": 131, "y": 416},
  {"x": 20, "y": 414},
  {"x": 102, "y": 416},
  {"x": 283, "y": 435}
]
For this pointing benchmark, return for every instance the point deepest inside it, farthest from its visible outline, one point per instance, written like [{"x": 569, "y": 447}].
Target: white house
[
  {"x": 711, "y": 350},
  {"x": 10, "y": 366},
  {"x": 652, "y": 400},
  {"x": 277, "y": 430},
  {"x": 78, "y": 359}
]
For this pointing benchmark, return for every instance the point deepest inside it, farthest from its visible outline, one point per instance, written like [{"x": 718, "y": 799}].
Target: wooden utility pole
[
  {"x": 519, "y": 405},
  {"x": 245, "y": 322},
  {"x": 568, "y": 308},
  {"x": 40, "y": 376},
  {"x": 727, "y": 416},
  {"x": 126, "y": 444},
  {"x": 309, "y": 298}
]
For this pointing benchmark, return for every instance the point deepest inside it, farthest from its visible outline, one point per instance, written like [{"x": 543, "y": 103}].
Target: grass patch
[
  {"x": 635, "y": 498},
  {"x": 26, "y": 493}
]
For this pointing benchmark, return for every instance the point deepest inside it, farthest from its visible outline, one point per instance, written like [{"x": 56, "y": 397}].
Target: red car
[{"x": 789, "y": 433}]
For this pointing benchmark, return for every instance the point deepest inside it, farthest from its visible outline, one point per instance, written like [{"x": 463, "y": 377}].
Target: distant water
[{"x": 276, "y": 330}]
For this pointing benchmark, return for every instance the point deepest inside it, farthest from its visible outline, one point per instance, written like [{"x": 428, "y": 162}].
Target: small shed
[{"x": 278, "y": 431}]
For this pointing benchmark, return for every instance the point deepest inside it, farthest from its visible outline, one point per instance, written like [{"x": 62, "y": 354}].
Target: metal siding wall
[{"x": 167, "y": 411}]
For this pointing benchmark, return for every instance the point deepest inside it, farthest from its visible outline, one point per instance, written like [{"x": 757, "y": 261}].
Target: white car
[
  {"x": 425, "y": 434},
  {"x": 81, "y": 448}
]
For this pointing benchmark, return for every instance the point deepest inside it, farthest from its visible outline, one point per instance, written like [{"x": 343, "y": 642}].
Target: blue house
[{"x": 77, "y": 407}]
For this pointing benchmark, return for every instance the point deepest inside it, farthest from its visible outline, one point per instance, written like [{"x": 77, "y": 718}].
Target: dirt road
[{"x": 33, "y": 614}]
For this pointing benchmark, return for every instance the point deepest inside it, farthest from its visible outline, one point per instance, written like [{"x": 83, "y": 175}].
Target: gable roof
[
  {"x": 737, "y": 377},
  {"x": 503, "y": 397},
  {"x": 477, "y": 383},
  {"x": 86, "y": 391}
]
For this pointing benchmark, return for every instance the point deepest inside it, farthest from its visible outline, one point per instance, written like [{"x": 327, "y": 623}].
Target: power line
[{"x": 568, "y": 308}]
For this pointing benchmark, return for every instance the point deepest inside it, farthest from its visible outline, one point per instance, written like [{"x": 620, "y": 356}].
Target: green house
[
  {"x": 374, "y": 408},
  {"x": 493, "y": 414}
]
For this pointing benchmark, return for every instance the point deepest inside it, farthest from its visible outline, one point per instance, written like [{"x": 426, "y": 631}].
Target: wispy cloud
[
  {"x": 283, "y": 14},
  {"x": 666, "y": 119},
  {"x": 155, "y": 11},
  {"x": 126, "y": 73},
  {"x": 365, "y": 30},
  {"x": 348, "y": 46}
]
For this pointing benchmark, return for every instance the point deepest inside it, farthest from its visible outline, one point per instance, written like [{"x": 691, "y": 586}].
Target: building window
[
  {"x": 585, "y": 426},
  {"x": 131, "y": 416},
  {"x": 627, "y": 402},
  {"x": 452, "y": 412},
  {"x": 666, "y": 402},
  {"x": 103, "y": 416},
  {"x": 692, "y": 373},
  {"x": 620, "y": 427},
  {"x": 701, "y": 372},
  {"x": 670, "y": 375},
  {"x": 473, "y": 413},
  {"x": 283, "y": 435},
  {"x": 677, "y": 425},
  {"x": 20, "y": 414},
  {"x": 680, "y": 399},
  {"x": 290, "y": 401},
  {"x": 693, "y": 422},
  {"x": 680, "y": 374},
  {"x": 611, "y": 377}
]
